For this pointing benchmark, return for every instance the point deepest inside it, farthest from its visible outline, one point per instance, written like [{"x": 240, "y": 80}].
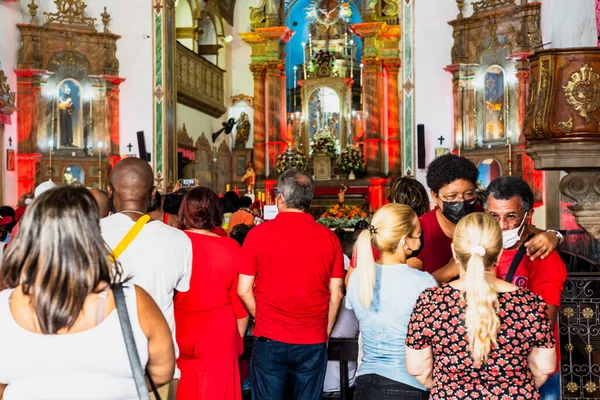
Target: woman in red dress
[{"x": 210, "y": 318}]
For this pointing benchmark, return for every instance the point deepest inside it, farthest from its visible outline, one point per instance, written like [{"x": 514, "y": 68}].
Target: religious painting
[
  {"x": 324, "y": 112},
  {"x": 10, "y": 160},
  {"x": 227, "y": 9},
  {"x": 70, "y": 114},
  {"x": 73, "y": 175},
  {"x": 494, "y": 103},
  {"x": 241, "y": 159}
]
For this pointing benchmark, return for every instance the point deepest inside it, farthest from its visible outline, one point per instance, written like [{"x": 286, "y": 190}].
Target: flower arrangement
[
  {"x": 341, "y": 216},
  {"x": 320, "y": 58},
  {"x": 351, "y": 160},
  {"x": 291, "y": 158},
  {"x": 323, "y": 143}
]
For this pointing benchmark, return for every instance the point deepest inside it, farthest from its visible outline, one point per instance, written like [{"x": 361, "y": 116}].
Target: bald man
[
  {"x": 159, "y": 259},
  {"x": 103, "y": 202}
]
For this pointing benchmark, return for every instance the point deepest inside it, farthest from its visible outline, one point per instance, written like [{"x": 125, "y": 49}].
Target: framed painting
[{"x": 10, "y": 160}]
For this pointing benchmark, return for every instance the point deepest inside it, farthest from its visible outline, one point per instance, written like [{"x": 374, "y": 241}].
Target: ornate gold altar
[
  {"x": 490, "y": 80},
  {"x": 68, "y": 92},
  {"x": 7, "y": 107}
]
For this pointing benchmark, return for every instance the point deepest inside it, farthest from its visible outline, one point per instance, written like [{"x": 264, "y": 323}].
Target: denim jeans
[
  {"x": 551, "y": 389},
  {"x": 273, "y": 362},
  {"x": 376, "y": 387}
]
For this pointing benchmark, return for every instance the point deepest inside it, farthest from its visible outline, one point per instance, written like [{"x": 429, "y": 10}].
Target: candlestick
[
  {"x": 352, "y": 60},
  {"x": 100, "y": 146},
  {"x": 508, "y": 140},
  {"x": 310, "y": 46},
  {"x": 295, "y": 84},
  {"x": 304, "y": 58},
  {"x": 50, "y": 147}
]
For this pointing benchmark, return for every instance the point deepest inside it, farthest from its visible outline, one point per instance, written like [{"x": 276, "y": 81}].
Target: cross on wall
[
  {"x": 441, "y": 139},
  {"x": 129, "y": 147}
]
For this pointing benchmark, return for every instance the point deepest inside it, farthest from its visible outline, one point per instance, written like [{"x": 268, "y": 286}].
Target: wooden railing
[{"x": 200, "y": 83}]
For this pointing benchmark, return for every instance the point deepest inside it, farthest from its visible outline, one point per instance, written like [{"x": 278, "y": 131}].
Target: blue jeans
[
  {"x": 551, "y": 389},
  {"x": 273, "y": 361}
]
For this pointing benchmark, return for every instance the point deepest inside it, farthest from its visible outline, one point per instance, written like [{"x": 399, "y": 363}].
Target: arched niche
[
  {"x": 73, "y": 174},
  {"x": 184, "y": 18},
  {"x": 489, "y": 169},
  {"x": 495, "y": 101}
]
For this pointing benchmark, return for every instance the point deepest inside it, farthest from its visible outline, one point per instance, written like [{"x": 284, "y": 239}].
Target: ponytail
[
  {"x": 365, "y": 268},
  {"x": 481, "y": 317}
]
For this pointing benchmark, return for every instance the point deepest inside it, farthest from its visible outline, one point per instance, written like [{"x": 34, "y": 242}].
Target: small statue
[
  {"x": 243, "y": 131},
  {"x": 249, "y": 179},
  {"x": 65, "y": 106}
]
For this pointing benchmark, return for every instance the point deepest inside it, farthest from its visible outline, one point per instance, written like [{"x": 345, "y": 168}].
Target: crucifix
[
  {"x": 129, "y": 146},
  {"x": 10, "y": 142},
  {"x": 441, "y": 139}
]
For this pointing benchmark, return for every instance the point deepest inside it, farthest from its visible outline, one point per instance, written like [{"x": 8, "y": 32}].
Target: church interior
[{"x": 354, "y": 91}]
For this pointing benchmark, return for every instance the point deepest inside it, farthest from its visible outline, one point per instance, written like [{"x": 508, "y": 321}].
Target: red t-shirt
[
  {"x": 543, "y": 277},
  {"x": 293, "y": 259},
  {"x": 437, "y": 247}
]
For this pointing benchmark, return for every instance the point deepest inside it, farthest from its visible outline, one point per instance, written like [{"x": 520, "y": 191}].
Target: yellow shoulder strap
[{"x": 126, "y": 241}]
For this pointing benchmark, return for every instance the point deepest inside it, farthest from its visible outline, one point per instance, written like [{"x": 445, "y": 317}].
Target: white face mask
[
  {"x": 510, "y": 237},
  {"x": 28, "y": 201}
]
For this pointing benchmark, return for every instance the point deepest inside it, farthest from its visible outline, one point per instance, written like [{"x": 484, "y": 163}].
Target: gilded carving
[
  {"x": 582, "y": 92},
  {"x": 258, "y": 15},
  {"x": 7, "y": 98},
  {"x": 390, "y": 8},
  {"x": 542, "y": 97},
  {"x": 566, "y": 126},
  {"x": 184, "y": 138},
  {"x": 32, "y": 11},
  {"x": 484, "y": 5},
  {"x": 70, "y": 12},
  {"x": 242, "y": 97}
]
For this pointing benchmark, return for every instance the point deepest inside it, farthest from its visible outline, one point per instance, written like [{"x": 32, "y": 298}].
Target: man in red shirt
[
  {"x": 509, "y": 200},
  {"x": 291, "y": 281}
]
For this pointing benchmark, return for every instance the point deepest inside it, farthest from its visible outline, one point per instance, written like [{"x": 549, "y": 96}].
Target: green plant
[
  {"x": 351, "y": 159},
  {"x": 323, "y": 143}
]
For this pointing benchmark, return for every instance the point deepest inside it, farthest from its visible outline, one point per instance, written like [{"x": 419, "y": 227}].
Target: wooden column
[
  {"x": 522, "y": 92},
  {"x": 259, "y": 73},
  {"x": 372, "y": 114},
  {"x": 275, "y": 129},
  {"x": 392, "y": 68}
]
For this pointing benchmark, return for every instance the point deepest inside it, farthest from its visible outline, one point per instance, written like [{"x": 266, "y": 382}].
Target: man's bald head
[
  {"x": 103, "y": 202},
  {"x": 132, "y": 182}
]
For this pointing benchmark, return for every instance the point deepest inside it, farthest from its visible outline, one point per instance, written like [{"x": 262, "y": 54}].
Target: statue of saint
[
  {"x": 249, "y": 179},
  {"x": 65, "y": 106},
  {"x": 243, "y": 131}
]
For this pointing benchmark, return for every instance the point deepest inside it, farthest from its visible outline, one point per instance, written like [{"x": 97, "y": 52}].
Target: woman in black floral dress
[{"x": 480, "y": 337}]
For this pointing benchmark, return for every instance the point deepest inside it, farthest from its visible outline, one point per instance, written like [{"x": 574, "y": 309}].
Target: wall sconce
[{"x": 226, "y": 39}]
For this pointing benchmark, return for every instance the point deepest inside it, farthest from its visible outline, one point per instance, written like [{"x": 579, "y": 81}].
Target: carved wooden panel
[
  {"x": 203, "y": 166},
  {"x": 223, "y": 167},
  {"x": 200, "y": 84}
]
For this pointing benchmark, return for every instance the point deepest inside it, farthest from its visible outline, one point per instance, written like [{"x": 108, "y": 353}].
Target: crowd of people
[{"x": 455, "y": 301}]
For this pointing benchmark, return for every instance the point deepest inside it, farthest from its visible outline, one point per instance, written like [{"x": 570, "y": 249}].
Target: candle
[
  {"x": 508, "y": 140},
  {"x": 227, "y": 187},
  {"x": 310, "y": 46},
  {"x": 362, "y": 69},
  {"x": 304, "y": 58}
]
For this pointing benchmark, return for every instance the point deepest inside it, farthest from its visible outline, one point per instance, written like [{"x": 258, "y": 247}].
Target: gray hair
[
  {"x": 297, "y": 188},
  {"x": 507, "y": 187}
]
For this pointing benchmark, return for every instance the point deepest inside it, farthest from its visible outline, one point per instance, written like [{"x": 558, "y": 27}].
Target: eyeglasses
[
  {"x": 466, "y": 196},
  {"x": 511, "y": 219}
]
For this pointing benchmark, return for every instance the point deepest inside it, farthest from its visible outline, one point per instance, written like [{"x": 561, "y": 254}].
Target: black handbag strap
[
  {"x": 517, "y": 260},
  {"x": 132, "y": 352}
]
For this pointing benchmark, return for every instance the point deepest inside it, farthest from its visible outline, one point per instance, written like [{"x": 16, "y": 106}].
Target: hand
[
  {"x": 541, "y": 245},
  {"x": 177, "y": 186}
]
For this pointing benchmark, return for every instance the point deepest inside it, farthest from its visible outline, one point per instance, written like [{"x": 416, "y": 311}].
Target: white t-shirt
[
  {"x": 92, "y": 364},
  {"x": 159, "y": 260}
]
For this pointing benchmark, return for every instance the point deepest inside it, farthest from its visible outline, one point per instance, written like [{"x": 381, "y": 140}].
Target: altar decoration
[
  {"x": 323, "y": 143},
  {"x": 342, "y": 216},
  {"x": 291, "y": 158},
  {"x": 323, "y": 64},
  {"x": 351, "y": 160}
]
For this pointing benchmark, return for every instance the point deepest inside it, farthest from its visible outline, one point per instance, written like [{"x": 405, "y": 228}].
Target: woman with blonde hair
[
  {"x": 381, "y": 292},
  {"x": 479, "y": 336}
]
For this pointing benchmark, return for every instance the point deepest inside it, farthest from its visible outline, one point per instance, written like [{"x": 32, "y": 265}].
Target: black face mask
[
  {"x": 416, "y": 252},
  {"x": 455, "y": 210}
]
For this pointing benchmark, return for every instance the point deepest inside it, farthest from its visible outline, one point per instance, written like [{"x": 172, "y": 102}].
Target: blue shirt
[{"x": 384, "y": 325}]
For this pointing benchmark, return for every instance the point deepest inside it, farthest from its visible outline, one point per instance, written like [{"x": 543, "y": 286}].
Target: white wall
[
  {"x": 198, "y": 123},
  {"x": 433, "y": 85},
  {"x": 569, "y": 23}
]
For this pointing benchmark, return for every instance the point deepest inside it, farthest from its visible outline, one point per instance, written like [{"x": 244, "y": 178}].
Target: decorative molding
[
  {"x": 200, "y": 84},
  {"x": 70, "y": 12},
  {"x": 7, "y": 97},
  {"x": 242, "y": 97},
  {"x": 565, "y": 126},
  {"x": 184, "y": 139}
]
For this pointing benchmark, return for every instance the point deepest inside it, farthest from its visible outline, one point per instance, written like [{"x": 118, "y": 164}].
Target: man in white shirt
[{"x": 159, "y": 259}]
